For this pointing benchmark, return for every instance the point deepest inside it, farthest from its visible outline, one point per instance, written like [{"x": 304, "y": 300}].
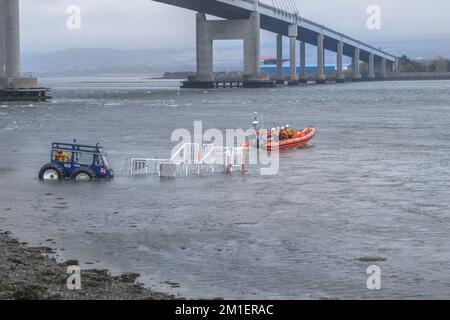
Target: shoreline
[
  {"x": 27, "y": 273},
  {"x": 399, "y": 77}
]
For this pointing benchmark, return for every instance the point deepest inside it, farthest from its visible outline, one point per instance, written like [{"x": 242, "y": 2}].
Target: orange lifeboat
[{"x": 300, "y": 139}]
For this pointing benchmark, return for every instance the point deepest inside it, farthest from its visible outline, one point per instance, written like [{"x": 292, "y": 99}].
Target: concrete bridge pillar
[
  {"x": 389, "y": 66},
  {"x": 10, "y": 78},
  {"x": 355, "y": 64},
  {"x": 280, "y": 73},
  {"x": 205, "y": 71},
  {"x": 293, "y": 33},
  {"x": 371, "y": 66},
  {"x": 320, "y": 77},
  {"x": 252, "y": 47},
  {"x": 245, "y": 29},
  {"x": 303, "y": 78},
  {"x": 396, "y": 65},
  {"x": 9, "y": 38},
  {"x": 383, "y": 68},
  {"x": 340, "y": 77}
]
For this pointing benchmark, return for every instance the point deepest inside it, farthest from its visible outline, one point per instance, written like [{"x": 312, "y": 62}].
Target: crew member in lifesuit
[
  {"x": 61, "y": 156},
  {"x": 283, "y": 134},
  {"x": 288, "y": 132}
]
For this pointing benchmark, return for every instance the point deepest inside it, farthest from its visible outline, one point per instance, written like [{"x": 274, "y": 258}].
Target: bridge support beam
[
  {"x": 303, "y": 78},
  {"x": 252, "y": 44},
  {"x": 371, "y": 74},
  {"x": 205, "y": 71},
  {"x": 396, "y": 65},
  {"x": 208, "y": 31},
  {"x": 12, "y": 85},
  {"x": 293, "y": 33},
  {"x": 340, "y": 77},
  {"x": 390, "y": 66},
  {"x": 355, "y": 64},
  {"x": 320, "y": 77},
  {"x": 9, "y": 38},
  {"x": 383, "y": 68},
  {"x": 280, "y": 72}
]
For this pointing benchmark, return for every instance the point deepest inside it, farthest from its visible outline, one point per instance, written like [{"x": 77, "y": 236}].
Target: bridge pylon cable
[
  {"x": 293, "y": 6},
  {"x": 288, "y": 6},
  {"x": 276, "y": 4}
]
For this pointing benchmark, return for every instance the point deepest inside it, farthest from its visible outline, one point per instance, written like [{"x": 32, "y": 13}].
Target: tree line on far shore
[{"x": 439, "y": 64}]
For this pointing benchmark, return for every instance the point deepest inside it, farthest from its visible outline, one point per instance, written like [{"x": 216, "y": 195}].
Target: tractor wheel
[
  {"x": 83, "y": 174},
  {"x": 50, "y": 172}
]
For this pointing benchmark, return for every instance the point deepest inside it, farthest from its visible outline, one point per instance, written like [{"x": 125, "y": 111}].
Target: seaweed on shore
[{"x": 28, "y": 274}]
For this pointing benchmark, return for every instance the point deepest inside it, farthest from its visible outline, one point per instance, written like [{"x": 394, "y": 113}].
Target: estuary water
[{"x": 374, "y": 183}]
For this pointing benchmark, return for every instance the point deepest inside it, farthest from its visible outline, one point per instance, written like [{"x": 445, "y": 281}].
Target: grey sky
[{"x": 147, "y": 24}]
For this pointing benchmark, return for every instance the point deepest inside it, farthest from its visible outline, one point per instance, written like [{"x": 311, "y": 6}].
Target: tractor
[{"x": 77, "y": 162}]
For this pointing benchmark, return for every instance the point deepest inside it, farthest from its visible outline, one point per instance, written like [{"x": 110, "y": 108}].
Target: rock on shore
[{"x": 25, "y": 273}]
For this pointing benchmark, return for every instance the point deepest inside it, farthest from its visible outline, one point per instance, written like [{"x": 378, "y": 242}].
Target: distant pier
[
  {"x": 276, "y": 81},
  {"x": 192, "y": 84},
  {"x": 30, "y": 94}
]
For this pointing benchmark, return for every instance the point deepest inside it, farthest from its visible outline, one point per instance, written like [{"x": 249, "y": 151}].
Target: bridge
[{"x": 243, "y": 20}]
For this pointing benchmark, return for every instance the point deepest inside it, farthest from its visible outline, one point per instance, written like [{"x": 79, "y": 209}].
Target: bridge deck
[{"x": 277, "y": 21}]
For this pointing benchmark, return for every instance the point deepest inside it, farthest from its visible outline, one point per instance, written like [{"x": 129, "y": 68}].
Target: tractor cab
[{"x": 76, "y": 161}]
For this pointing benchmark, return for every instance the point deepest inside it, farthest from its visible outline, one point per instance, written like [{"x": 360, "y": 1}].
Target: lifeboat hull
[{"x": 301, "y": 139}]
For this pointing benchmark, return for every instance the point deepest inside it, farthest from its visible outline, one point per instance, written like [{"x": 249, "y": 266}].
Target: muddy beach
[{"x": 28, "y": 273}]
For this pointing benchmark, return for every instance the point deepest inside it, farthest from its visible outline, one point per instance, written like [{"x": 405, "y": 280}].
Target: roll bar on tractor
[{"x": 73, "y": 147}]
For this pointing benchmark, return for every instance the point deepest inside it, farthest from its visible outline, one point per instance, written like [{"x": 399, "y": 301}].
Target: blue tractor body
[{"x": 76, "y": 161}]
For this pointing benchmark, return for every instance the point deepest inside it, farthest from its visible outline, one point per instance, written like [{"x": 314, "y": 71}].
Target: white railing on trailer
[
  {"x": 193, "y": 159},
  {"x": 141, "y": 166},
  {"x": 215, "y": 155},
  {"x": 190, "y": 153}
]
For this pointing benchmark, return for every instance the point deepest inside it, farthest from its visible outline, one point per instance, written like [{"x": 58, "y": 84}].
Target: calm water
[{"x": 375, "y": 183}]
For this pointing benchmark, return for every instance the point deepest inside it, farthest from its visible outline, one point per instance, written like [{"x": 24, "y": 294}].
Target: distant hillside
[
  {"x": 154, "y": 62},
  {"x": 106, "y": 61}
]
